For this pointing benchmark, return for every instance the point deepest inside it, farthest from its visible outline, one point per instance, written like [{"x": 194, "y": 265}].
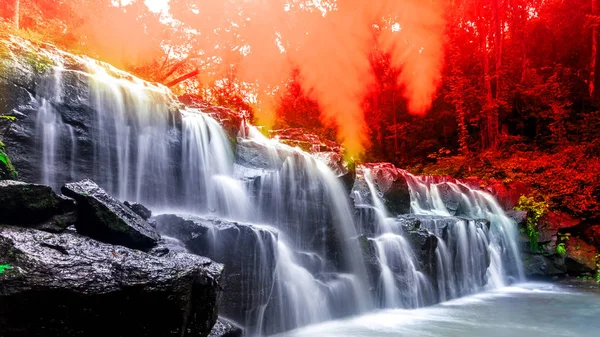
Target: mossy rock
[
  {"x": 27, "y": 204},
  {"x": 7, "y": 170}
]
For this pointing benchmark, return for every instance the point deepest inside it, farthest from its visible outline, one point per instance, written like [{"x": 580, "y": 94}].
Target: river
[{"x": 524, "y": 310}]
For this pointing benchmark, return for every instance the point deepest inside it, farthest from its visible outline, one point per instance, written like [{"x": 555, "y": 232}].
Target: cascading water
[
  {"x": 471, "y": 254},
  {"x": 300, "y": 253},
  {"x": 439, "y": 196},
  {"x": 320, "y": 273}
]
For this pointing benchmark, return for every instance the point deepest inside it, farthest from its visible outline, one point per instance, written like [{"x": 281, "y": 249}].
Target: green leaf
[{"x": 3, "y": 267}]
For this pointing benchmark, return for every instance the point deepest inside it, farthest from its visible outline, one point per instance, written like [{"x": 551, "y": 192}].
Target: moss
[
  {"x": 535, "y": 210},
  {"x": 39, "y": 62},
  {"x": 7, "y": 170}
]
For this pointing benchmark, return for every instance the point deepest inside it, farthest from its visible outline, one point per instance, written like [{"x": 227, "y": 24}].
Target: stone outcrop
[
  {"x": 248, "y": 253},
  {"x": 389, "y": 181},
  {"x": 225, "y": 328},
  {"x": 580, "y": 256},
  {"x": 139, "y": 209},
  {"x": 35, "y": 206},
  {"x": 102, "y": 217},
  {"x": 69, "y": 285}
]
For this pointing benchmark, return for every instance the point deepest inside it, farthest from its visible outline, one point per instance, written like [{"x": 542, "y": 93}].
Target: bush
[{"x": 535, "y": 210}]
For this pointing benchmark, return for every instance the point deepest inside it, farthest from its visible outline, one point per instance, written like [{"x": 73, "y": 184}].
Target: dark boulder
[
  {"x": 424, "y": 245},
  {"x": 592, "y": 233},
  {"x": 248, "y": 253},
  {"x": 580, "y": 256},
  {"x": 35, "y": 206},
  {"x": 543, "y": 266},
  {"x": 553, "y": 222},
  {"x": 520, "y": 217},
  {"x": 106, "y": 219},
  {"x": 369, "y": 252},
  {"x": 225, "y": 328},
  {"x": 139, "y": 209},
  {"x": 69, "y": 285}
]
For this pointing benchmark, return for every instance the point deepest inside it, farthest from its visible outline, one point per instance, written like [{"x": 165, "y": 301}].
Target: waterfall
[
  {"x": 440, "y": 196},
  {"x": 476, "y": 241},
  {"x": 298, "y": 247}
]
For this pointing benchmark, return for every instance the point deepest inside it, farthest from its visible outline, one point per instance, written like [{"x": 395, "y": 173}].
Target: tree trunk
[
  {"x": 17, "y": 13},
  {"x": 182, "y": 78},
  {"x": 592, "y": 83},
  {"x": 498, "y": 45}
]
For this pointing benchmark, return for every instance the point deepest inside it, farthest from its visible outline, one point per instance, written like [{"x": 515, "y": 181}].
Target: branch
[{"x": 182, "y": 78}]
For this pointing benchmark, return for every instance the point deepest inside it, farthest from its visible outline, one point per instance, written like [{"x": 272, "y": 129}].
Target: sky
[{"x": 157, "y": 6}]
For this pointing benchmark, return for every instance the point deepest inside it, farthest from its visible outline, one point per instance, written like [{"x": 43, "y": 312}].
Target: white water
[
  {"x": 427, "y": 199},
  {"x": 522, "y": 310}
]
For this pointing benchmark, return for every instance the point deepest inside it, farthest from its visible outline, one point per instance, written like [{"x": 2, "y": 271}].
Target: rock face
[
  {"x": 389, "y": 181},
  {"x": 248, "y": 253},
  {"x": 543, "y": 265},
  {"x": 68, "y": 285},
  {"x": 73, "y": 124},
  {"x": 35, "y": 206},
  {"x": 139, "y": 209},
  {"x": 106, "y": 219},
  {"x": 580, "y": 257},
  {"x": 225, "y": 328}
]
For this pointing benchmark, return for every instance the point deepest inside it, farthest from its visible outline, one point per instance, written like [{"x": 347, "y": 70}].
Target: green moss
[
  {"x": 39, "y": 62},
  {"x": 535, "y": 210},
  {"x": 7, "y": 171},
  {"x": 560, "y": 249},
  {"x": 4, "y": 267}
]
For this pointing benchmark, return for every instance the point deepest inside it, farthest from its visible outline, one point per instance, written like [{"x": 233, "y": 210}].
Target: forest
[{"x": 514, "y": 93}]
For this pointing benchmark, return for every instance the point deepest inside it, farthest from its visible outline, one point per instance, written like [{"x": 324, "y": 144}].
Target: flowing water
[
  {"x": 523, "y": 310},
  {"x": 311, "y": 242}
]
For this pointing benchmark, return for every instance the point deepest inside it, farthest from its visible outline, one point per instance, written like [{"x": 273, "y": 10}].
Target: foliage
[
  {"x": 4, "y": 267},
  {"x": 7, "y": 171},
  {"x": 598, "y": 268},
  {"x": 535, "y": 210},
  {"x": 39, "y": 62},
  {"x": 560, "y": 249}
]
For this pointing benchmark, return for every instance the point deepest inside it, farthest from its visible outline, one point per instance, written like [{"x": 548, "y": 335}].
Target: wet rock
[
  {"x": 139, "y": 209},
  {"x": 390, "y": 182},
  {"x": 251, "y": 154},
  {"x": 369, "y": 252},
  {"x": 108, "y": 220},
  {"x": 543, "y": 265},
  {"x": 69, "y": 285},
  {"x": 27, "y": 204},
  {"x": 592, "y": 233},
  {"x": 225, "y": 328},
  {"x": 334, "y": 160},
  {"x": 580, "y": 256},
  {"x": 520, "y": 217},
  {"x": 307, "y": 141},
  {"x": 553, "y": 222},
  {"x": 424, "y": 245},
  {"x": 248, "y": 253},
  {"x": 229, "y": 119}
]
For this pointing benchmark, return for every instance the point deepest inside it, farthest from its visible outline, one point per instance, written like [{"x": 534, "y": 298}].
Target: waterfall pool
[{"x": 523, "y": 310}]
